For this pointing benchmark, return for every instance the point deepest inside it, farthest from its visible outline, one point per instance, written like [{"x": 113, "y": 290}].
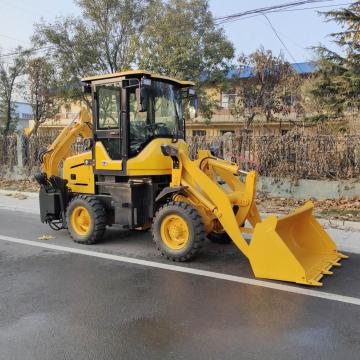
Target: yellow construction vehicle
[{"x": 136, "y": 172}]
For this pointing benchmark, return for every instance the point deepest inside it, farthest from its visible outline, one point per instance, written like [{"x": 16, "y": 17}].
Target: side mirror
[
  {"x": 142, "y": 94},
  {"x": 138, "y": 99},
  {"x": 86, "y": 88},
  {"x": 141, "y": 91},
  {"x": 193, "y": 107}
]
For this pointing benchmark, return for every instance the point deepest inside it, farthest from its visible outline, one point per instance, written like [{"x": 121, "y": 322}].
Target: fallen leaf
[
  {"x": 46, "y": 237},
  {"x": 20, "y": 196}
]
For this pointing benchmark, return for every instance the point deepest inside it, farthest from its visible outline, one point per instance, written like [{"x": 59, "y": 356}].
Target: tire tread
[
  {"x": 198, "y": 225},
  {"x": 99, "y": 219}
]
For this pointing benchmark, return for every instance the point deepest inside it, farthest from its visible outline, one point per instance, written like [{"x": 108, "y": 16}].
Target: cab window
[{"x": 109, "y": 107}]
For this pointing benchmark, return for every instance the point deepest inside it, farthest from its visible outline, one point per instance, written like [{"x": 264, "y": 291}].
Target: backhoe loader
[{"x": 136, "y": 172}]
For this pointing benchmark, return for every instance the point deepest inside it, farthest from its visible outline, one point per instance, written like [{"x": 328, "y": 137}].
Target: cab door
[{"x": 109, "y": 145}]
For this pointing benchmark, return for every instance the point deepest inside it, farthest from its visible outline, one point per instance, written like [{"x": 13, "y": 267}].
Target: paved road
[{"x": 57, "y": 304}]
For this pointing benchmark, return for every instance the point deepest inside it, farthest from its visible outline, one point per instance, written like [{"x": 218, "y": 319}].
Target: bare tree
[
  {"x": 265, "y": 91},
  {"x": 10, "y": 75},
  {"x": 40, "y": 92}
]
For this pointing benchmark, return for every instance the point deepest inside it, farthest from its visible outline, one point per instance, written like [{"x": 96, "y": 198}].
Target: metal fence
[
  {"x": 295, "y": 154},
  {"x": 8, "y": 150}
]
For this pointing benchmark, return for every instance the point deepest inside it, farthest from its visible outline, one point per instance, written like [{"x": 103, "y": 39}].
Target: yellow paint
[
  {"x": 209, "y": 219},
  {"x": 103, "y": 160},
  {"x": 80, "y": 220},
  {"x": 174, "y": 232},
  {"x": 293, "y": 248},
  {"x": 59, "y": 150},
  {"x": 138, "y": 72},
  {"x": 84, "y": 181},
  {"x": 151, "y": 161},
  {"x": 214, "y": 198}
]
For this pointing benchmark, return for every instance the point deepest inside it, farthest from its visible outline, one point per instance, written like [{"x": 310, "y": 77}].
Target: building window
[
  {"x": 199, "y": 133},
  {"x": 27, "y": 116},
  {"x": 68, "y": 113},
  {"x": 228, "y": 100},
  {"x": 223, "y": 132}
]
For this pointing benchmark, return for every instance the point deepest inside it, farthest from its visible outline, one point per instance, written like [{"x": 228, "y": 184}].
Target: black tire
[
  {"x": 97, "y": 215},
  {"x": 195, "y": 226},
  {"x": 219, "y": 237}
]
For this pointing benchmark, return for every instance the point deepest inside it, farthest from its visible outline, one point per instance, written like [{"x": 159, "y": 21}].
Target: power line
[
  {"x": 279, "y": 38},
  {"x": 268, "y": 9},
  {"x": 313, "y": 7},
  {"x": 12, "y": 38},
  {"x": 286, "y": 7},
  {"x": 283, "y": 11},
  {"x": 22, "y": 51}
]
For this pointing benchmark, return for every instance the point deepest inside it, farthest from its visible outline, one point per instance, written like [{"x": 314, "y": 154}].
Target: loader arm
[
  {"x": 59, "y": 150},
  {"x": 292, "y": 248},
  {"x": 218, "y": 201}
]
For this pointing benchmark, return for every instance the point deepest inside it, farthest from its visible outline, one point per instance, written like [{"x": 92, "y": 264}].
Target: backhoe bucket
[{"x": 294, "y": 248}]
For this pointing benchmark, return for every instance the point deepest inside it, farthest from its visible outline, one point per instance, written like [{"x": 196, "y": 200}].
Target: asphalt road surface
[{"x": 120, "y": 300}]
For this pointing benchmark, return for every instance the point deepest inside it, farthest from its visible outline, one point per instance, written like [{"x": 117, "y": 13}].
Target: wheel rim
[
  {"x": 81, "y": 220},
  {"x": 174, "y": 232}
]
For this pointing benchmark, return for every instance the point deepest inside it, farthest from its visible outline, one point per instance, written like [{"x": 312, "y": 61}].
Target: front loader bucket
[{"x": 294, "y": 248}]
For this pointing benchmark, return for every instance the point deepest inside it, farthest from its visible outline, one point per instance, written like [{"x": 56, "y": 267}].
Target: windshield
[{"x": 164, "y": 117}]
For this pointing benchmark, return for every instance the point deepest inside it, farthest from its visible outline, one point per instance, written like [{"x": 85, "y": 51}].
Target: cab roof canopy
[{"x": 137, "y": 73}]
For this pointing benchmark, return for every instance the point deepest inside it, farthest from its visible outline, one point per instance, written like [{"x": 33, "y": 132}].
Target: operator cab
[{"x": 135, "y": 107}]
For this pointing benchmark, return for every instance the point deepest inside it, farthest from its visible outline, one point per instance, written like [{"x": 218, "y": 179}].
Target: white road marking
[{"x": 209, "y": 274}]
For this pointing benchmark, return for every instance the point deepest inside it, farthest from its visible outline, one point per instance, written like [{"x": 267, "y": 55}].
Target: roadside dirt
[
  {"x": 19, "y": 185},
  {"x": 346, "y": 209}
]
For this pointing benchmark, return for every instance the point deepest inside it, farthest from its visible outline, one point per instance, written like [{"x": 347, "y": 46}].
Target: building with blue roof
[
  {"x": 23, "y": 113},
  {"x": 224, "y": 122}
]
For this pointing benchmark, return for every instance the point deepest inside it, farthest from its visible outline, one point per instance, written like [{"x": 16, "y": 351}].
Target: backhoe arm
[{"x": 59, "y": 150}]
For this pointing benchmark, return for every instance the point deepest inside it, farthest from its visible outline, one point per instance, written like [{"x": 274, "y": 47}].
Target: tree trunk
[
  {"x": 8, "y": 117},
  {"x": 249, "y": 120},
  {"x": 35, "y": 129}
]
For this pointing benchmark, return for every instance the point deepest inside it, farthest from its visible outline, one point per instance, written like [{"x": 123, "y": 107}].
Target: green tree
[
  {"x": 40, "y": 91},
  {"x": 181, "y": 40},
  {"x": 10, "y": 82},
  {"x": 102, "y": 40},
  {"x": 337, "y": 85},
  {"x": 268, "y": 90},
  {"x": 172, "y": 37}
]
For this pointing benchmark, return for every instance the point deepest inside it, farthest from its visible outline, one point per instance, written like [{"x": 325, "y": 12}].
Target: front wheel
[
  {"x": 86, "y": 220},
  {"x": 178, "y": 231}
]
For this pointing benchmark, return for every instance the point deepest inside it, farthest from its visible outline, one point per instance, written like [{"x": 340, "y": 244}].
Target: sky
[{"x": 298, "y": 30}]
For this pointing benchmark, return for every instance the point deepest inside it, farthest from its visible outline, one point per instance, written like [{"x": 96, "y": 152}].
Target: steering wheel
[{"x": 156, "y": 125}]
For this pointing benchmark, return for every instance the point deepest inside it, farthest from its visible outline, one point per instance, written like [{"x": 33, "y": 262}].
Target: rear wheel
[
  {"x": 86, "y": 220},
  {"x": 178, "y": 231}
]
